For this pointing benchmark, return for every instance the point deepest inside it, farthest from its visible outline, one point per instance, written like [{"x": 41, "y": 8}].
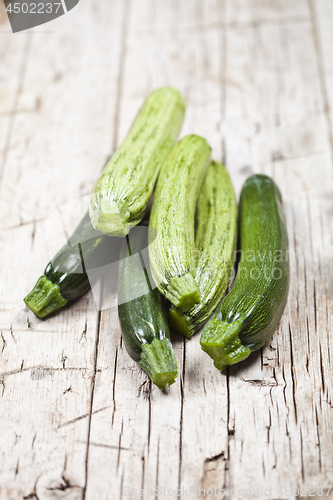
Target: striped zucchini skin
[
  {"x": 216, "y": 237},
  {"x": 248, "y": 316},
  {"x": 142, "y": 312},
  {"x": 171, "y": 224},
  {"x": 120, "y": 196}
]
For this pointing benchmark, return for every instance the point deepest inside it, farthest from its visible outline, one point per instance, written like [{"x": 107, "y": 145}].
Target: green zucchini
[
  {"x": 120, "y": 196},
  {"x": 142, "y": 313},
  {"x": 70, "y": 273},
  {"x": 248, "y": 316},
  {"x": 171, "y": 224},
  {"x": 216, "y": 236}
]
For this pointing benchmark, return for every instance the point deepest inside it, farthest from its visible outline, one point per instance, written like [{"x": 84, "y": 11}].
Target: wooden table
[{"x": 79, "y": 419}]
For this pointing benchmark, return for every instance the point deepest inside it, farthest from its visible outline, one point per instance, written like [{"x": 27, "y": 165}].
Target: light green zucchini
[
  {"x": 216, "y": 237},
  {"x": 171, "y": 224},
  {"x": 248, "y": 316},
  {"x": 121, "y": 194}
]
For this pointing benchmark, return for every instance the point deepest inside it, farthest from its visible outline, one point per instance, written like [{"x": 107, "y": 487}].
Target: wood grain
[{"x": 80, "y": 419}]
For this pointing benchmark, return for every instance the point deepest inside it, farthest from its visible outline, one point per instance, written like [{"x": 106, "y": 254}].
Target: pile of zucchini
[{"x": 176, "y": 271}]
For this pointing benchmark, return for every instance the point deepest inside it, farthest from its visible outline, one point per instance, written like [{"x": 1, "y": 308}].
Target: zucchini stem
[
  {"x": 183, "y": 291},
  {"x": 179, "y": 322},
  {"x": 220, "y": 340},
  {"x": 44, "y": 298},
  {"x": 159, "y": 361},
  {"x": 108, "y": 219}
]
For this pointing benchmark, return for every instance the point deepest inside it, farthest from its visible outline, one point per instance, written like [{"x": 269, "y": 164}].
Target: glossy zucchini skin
[
  {"x": 86, "y": 249},
  {"x": 121, "y": 194},
  {"x": 171, "y": 224},
  {"x": 216, "y": 238},
  {"x": 248, "y": 316},
  {"x": 70, "y": 273},
  {"x": 142, "y": 312}
]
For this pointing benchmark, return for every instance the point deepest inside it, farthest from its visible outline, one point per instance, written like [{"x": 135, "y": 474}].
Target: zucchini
[
  {"x": 216, "y": 236},
  {"x": 120, "y": 196},
  {"x": 142, "y": 313},
  {"x": 171, "y": 224},
  {"x": 248, "y": 316},
  {"x": 69, "y": 274}
]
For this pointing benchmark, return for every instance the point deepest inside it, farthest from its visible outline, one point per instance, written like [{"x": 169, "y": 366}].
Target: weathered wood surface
[{"x": 79, "y": 420}]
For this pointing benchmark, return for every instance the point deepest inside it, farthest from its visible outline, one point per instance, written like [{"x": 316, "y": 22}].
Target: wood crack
[
  {"x": 114, "y": 386},
  {"x": 182, "y": 384},
  {"x": 81, "y": 417},
  {"x": 4, "y": 343},
  {"x": 99, "y": 314},
  {"x": 40, "y": 368},
  {"x": 229, "y": 429},
  {"x": 292, "y": 370}
]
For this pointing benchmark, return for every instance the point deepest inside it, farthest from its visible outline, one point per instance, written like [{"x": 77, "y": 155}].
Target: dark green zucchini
[
  {"x": 248, "y": 316},
  {"x": 142, "y": 313},
  {"x": 73, "y": 270}
]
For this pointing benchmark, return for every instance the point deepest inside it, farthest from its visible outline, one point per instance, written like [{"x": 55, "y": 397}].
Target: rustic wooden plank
[
  {"x": 271, "y": 119},
  {"x": 144, "y": 419},
  {"x": 287, "y": 385},
  {"x": 264, "y": 11},
  {"x": 60, "y": 138},
  {"x": 321, "y": 17},
  {"x": 14, "y": 53},
  {"x": 277, "y": 403},
  {"x": 83, "y": 421},
  {"x": 264, "y": 72}
]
